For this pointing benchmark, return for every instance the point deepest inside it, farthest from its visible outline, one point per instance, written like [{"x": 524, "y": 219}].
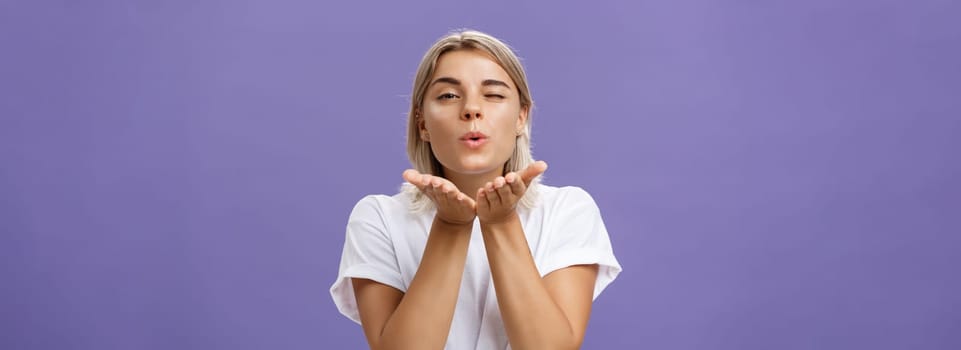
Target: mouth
[
  {"x": 473, "y": 135},
  {"x": 474, "y": 139}
]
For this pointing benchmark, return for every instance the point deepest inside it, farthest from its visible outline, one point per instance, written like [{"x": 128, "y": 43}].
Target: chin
[
  {"x": 475, "y": 166},
  {"x": 476, "y": 171}
]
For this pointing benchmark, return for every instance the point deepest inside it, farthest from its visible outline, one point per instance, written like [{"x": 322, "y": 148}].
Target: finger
[
  {"x": 491, "y": 193},
  {"x": 429, "y": 192},
  {"x": 469, "y": 202},
  {"x": 482, "y": 203},
  {"x": 413, "y": 177},
  {"x": 463, "y": 200},
  {"x": 487, "y": 187},
  {"x": 435, "y": 184},
  {"x": 454, "y": 196},
  {"x": 503, "y": 191},
  {"x": 532, "y": 171},
  {"x": 517, "y": 186},
  {"x": 443, "y": 194},
  {"x": 514, "y": 181}
]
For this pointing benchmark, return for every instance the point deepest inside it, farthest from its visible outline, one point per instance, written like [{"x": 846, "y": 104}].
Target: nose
[
  {"x": 469, "y": 115},
  {"x": 471, "y": 110}
]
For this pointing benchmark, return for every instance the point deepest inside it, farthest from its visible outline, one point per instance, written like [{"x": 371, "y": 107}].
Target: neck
[{"x": 469, "y": 183}]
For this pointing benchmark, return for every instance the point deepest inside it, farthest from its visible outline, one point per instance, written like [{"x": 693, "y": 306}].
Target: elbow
[
  {"x": 572, "y": 344},
  {"x": 572, "y": 341},
  {"x": 381, "y": 346}
]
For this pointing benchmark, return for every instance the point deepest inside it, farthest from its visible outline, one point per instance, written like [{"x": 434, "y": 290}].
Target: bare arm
[
  {"x": 548, "y": 313},
  {"x": 421, "y": 318}
]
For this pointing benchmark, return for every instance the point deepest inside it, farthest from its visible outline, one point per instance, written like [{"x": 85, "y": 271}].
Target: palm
[
  {"x": 452, "y": 206},
  {"x": 498, "y": 199}
]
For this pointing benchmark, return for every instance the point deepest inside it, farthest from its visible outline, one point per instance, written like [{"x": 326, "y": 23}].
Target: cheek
[
  {"x": 508, "y": 119},
  {"x": 435, "y": 116},
  {"x": 508, "y": 110},
  {"x": 436, "y": 125},
  {"x": 441, "y": 108}
]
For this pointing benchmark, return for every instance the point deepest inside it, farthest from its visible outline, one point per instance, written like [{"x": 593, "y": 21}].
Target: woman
[{"x": 474, "y": 253}]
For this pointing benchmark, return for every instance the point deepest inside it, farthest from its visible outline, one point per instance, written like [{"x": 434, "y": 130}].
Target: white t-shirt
[{"x": 385, "y": 242}]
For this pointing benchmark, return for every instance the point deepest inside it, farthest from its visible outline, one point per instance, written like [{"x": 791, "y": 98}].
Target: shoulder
[
  {"x": 380, "y": 205},
  {"x": 565, "y": 197}
]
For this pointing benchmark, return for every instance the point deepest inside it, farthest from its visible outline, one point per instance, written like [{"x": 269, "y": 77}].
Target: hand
[
  {"x": 453, "y": 206},
  {"x": 497, "y": 200}
]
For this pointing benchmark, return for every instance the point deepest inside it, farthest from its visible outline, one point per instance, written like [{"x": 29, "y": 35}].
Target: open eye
[{"x": 446, "y": 96}]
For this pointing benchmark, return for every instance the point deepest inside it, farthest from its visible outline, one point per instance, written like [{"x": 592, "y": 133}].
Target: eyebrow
[{"x": 486, "y": 82}]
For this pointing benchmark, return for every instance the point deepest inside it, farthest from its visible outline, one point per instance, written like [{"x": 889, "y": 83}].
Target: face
[{"x": 471, "y": 113}]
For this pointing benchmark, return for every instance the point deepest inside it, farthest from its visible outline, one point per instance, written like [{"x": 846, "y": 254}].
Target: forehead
[{"x": 470, "y": 66}]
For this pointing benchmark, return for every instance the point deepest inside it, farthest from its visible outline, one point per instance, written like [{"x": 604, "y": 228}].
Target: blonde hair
[{"x": 419, "y": 152}]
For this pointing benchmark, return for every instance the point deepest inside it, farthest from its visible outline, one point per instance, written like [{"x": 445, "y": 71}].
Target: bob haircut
[{"x": 419, "y": 151}]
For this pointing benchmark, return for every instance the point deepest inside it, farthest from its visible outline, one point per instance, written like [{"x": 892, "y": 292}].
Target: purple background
[{"x": 773, "y": 174}]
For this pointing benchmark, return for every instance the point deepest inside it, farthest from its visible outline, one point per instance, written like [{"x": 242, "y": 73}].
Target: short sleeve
[
  {"x": 368, "y": 253},
  {"x": 579, "y": 237}
]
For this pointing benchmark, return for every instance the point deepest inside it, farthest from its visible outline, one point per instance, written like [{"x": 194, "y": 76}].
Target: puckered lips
[{"x": 474, "y": 139}]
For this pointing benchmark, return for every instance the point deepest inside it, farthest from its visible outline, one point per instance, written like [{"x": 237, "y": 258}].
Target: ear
[
  {"x": 421, "y": 126},
  {"x": 522, "y": 119}
]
